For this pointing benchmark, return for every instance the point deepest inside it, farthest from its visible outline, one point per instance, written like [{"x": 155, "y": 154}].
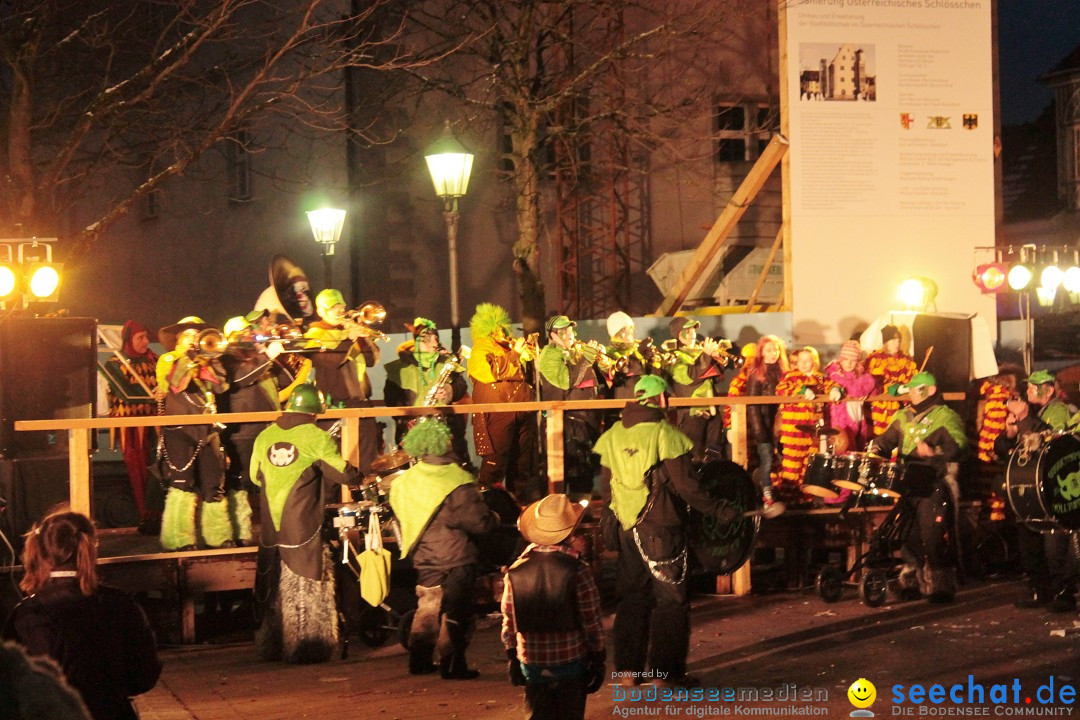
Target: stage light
[
  {"x": 1045, "y": 296},
  {"x": 1071, "y": 280},
  {"x": 990, "y": 277},
  {"x": 918, "y": 293},
  {"x": 43, "y": 281},
  {"x": 1050, "y": 277},
  {"x": 1020, "y": 276},
  {"x": 9, "y": 282}
]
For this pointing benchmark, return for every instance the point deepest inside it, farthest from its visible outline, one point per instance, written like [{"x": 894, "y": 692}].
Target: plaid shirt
[{"x": 557, "y": 648}]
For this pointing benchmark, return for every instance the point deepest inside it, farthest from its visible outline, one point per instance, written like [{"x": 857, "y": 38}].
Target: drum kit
[
  {"x": 856, "y": 471},
  {"x": 1042, "y": 482}
]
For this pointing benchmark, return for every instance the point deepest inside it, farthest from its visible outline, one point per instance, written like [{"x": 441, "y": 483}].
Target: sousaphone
[{"x": 289, "y": 293}]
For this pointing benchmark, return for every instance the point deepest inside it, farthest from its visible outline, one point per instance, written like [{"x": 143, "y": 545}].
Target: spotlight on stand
[
  {"x": 9, "y": 277},
  {"x": 43, "y": 281},
  {"x": 918, "y": 293},
  {"x": 990, "y": 277},
  {"x": 1020, "y": 276},
  {"x": 1070, "y": 279}
]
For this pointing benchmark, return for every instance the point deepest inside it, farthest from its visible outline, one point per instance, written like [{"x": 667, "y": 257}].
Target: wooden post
[
  {"x": 785, "y": 163},
  {"x": 79, "y": 471},
  {"x": 350, "y": 449},
  {"x": 765, "y": 271},
  {"x": 554, "y": 449}
]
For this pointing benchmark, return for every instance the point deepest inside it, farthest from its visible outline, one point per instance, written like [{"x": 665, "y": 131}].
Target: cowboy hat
[{"x": 551, "y": 520}]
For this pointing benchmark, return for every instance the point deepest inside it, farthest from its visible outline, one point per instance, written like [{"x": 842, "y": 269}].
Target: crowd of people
[{"x": 641, "y": 462}]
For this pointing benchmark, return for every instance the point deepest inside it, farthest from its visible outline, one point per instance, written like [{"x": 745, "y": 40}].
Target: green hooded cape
[
  {"x": 417, "y": 495},
  {"x": 629, "y": 452}
]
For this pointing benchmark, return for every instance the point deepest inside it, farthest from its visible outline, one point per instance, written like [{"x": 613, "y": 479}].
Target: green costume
[
  {"x": 915, "y": 428},
  {"x": 1055, "y": 414},
  {"x": 418, "y": 493},
  {"x": 629, "y": 452}
]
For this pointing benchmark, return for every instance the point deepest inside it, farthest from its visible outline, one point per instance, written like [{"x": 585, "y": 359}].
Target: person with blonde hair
[
  {"x": 764, "y": 371},
  {"x": 98, "y": 635}
]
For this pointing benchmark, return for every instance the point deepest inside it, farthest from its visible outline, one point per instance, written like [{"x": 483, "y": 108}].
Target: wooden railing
[{"x": 79, "y": 430}]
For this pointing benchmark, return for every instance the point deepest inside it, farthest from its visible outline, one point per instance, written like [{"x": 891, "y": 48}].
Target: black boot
[
  {"x": 1063, "y": 602},
  {"x": 454, "y": 666}
]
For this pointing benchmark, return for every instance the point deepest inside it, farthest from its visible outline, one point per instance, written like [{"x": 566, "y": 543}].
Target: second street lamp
[
  {"x": 450, "y": 165},
  {"x": 326, "y": 225}
]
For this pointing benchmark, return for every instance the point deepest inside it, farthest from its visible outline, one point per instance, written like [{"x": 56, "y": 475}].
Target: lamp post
[
  {"x": 450, "y": 165},
  {"x": 326, "y": 224}
]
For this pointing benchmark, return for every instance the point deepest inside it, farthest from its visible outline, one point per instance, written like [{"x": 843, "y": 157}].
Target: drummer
[
  {"x": 440, "y": 510},
  {"x": 1045, "y": 557},
  {"x": 930, "y": 437}
]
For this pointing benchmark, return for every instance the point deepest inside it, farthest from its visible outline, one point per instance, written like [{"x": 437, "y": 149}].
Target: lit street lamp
[
  {"x": 450, "y": 165},
  {"x": 326, "y": 225}
]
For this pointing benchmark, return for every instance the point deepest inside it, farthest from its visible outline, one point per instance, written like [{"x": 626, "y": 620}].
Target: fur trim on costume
[
  {"x": 35, "y": 688},
  {"x": 309, "y": 619},
  {"x": 240, "y": 515},
  {"x": 937, "y": 581},
  {"x": 487, "y": 319},
  {"x": 178, "y": 519},
  {"x": 215, "y": 524},
  {"x": 425, "y": 624},
  {"x": 427, "y": 438}
]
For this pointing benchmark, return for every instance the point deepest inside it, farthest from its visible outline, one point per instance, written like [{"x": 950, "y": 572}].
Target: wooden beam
[
  {"x": 79, "y": 471},
  {"x": 556, "y": 463},
  {"x": 765, "y": 271},
  {"x": 721, "y": 229}
]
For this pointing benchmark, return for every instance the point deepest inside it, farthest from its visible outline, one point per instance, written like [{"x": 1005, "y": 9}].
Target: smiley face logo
[{"x": 862, "y": 693}]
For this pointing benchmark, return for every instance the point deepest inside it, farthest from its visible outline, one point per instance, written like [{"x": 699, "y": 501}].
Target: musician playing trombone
[
  {"x": 426, "y": 373},
  {"x": 192, "y": 460},
  {"x": 568, "y": 371},
  {"x": 342, "y": 351}
]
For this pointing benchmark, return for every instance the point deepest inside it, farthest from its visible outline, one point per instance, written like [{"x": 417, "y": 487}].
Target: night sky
[{"x": 1033, "y": 36}]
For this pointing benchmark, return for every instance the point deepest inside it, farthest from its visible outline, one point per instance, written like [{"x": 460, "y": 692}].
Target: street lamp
[
  {"x": 450, "y": 165},
  {"x": 326, "y": 224}
]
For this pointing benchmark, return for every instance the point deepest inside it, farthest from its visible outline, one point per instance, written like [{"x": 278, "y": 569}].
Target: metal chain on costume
[
  {"x": 293, "y": 547},
  {"x": 163, "y": 450},
  {"x": 654, "y": 564}
]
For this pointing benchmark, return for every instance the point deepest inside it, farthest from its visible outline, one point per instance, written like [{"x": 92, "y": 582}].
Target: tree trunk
[{"x": 527, "y": 248}]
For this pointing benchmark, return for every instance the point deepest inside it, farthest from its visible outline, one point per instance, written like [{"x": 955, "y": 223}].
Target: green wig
[
  {"x": 427, "y": 437},
  {"x": 487, "y": 319}
]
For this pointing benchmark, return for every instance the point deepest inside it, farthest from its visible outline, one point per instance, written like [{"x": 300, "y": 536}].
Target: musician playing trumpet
[
  {"x": 342, "y": 351},
  {"x": 425, "y": 373},
  {"x": 694, "y": 366},
  {"x": 568, "y": 371},
  {"x": 505, "y": 441},
  {"x": 190, "y": 380}
]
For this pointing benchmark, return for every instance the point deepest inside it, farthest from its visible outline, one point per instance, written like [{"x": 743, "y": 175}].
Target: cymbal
[
  {"x": 815, "y": 430},
  {"x": 390, "y": 461}
]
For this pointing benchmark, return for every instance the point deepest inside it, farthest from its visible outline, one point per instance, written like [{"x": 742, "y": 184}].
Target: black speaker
[
  {"x": 950, "y": 336},
  {"x": 47, "y": 371},
  {"x": 29, "y": 487}
]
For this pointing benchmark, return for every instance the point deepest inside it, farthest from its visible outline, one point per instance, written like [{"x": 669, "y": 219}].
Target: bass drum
[
  {"x": 719, "y": 547},
  {"x": 1043, "y": 486}
]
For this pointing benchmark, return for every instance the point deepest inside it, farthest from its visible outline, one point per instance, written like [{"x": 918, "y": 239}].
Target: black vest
[{"x": 545, "y": 593}]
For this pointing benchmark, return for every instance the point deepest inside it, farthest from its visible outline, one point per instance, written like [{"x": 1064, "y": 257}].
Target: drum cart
[{"x": 877, "y": 564}]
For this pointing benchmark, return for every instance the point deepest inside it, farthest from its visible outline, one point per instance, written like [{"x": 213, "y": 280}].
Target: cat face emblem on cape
[{"x": 282, "y": 454}]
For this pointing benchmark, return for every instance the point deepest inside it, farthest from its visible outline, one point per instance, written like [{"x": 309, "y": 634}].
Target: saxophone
[{"x": 453, "y": 364}]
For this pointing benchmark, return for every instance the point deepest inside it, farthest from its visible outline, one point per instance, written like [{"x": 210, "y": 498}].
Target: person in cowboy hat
[
  {"x": 296, "y": 463},
  {"x": 567, "y": 371},
  {"x": 193, "y": 462},
  {"x": 1045, "y": 557},
  {"x": 648, "y": 481},
  {"x": 411, "y": 377},
  {"x": 552, "y": 627},
  {"x": 440, "y": 511},
  {"x": 930, "y": 437}
]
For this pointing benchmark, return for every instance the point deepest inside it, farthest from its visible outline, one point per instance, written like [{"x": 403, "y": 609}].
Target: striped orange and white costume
[
  {"x": 736, "y": 388},
  {"x": 795, "y": 446},
  {"x": 887, "y": 370}
]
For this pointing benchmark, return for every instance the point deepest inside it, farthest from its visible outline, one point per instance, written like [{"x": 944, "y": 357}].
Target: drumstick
[{"x": 926, "y": 359}]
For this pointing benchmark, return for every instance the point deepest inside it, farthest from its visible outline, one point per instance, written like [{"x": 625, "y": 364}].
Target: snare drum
[
  {"x": 1043, "y": 486},
  {"x": 820, "y": 471},
  {"x": 889, "y": 481},
  {"x": 856, "y": 470}
]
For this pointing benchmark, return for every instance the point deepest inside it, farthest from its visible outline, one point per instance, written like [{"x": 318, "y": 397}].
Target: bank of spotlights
[
  {"x": 27, "y": 272},
  {"x": 1028, "y": 268}
]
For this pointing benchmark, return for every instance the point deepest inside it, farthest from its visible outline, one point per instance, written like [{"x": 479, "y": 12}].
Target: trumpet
[
  {"x": 210, "y": 343},
  {"x": 366, "y": 318},
  {"x": 596, "y": 353}
]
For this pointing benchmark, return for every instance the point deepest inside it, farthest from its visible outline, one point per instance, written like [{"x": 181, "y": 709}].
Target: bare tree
[
  {"x": 551, "y": 75},
  {"x": 91, "y": 88}
]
